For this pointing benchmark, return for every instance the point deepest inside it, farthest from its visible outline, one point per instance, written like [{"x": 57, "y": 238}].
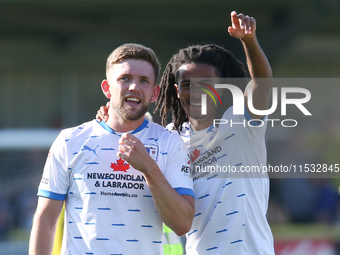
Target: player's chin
[
  {"x": 134, "y": 114},
  {"x": 133, "y": 117}
]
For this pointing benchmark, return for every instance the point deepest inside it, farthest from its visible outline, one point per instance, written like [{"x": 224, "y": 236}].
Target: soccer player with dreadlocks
[{"x": 230, "y": 214}]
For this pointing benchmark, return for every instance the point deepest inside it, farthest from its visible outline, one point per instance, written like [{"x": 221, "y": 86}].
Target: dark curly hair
[{"x": 225, "y": 64}]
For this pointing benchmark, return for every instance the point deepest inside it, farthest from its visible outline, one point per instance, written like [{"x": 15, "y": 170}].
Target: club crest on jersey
[
  {"x": 120, "y": 165},
  {"x": 152, "y": 150}
]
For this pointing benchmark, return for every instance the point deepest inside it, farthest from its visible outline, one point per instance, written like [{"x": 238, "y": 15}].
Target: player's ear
[
  {"x": 176, "y": 87},
  {"x": 155, "y": 93},
  {"x": 106, "y": 88}
]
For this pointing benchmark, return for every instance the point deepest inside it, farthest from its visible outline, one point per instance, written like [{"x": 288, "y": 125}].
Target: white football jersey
[
  {"x": 109, "y": 207},
  {"x": 231, "y": 203}
]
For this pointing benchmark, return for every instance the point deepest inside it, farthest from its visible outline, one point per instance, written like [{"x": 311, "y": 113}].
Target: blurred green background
[
  {"x": 53, "y": 53},
  {"x": 52, "y": 61}
]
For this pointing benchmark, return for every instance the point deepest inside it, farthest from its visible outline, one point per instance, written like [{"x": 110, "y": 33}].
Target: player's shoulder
[
  {"x": 163, "y": 132},
  {"x": 228, "y": 114},
  {"x": 155, "y": 127},
  {"x": 183, "y": 133}
]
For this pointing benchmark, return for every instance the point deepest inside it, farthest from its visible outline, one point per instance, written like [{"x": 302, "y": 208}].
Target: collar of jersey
[
  {"x": 205, "y": 130},
  {"x": 140, "y": 128}
]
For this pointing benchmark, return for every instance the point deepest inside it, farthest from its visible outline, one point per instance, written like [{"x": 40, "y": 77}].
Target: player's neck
[{"x": 118, "y": 124}]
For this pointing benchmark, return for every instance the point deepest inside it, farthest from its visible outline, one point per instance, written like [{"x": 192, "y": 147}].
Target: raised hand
[{"x": 242, "y": 26}]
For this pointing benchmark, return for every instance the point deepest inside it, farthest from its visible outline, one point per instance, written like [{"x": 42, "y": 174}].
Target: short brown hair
[{"x": 134, "y": 51}]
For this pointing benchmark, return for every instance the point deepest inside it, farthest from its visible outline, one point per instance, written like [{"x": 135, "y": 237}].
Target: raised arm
[
  {"x": 243, "y": 27},
  {"x": 44, "y": 226}
]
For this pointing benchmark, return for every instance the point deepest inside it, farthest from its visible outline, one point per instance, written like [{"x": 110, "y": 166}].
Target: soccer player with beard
[{"x": 120, "y": 180}]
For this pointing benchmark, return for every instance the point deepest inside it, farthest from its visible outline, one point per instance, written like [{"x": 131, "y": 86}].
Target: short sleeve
[
  {"x": 55, "y": 179},
  {"x": 177, "y": 170}
]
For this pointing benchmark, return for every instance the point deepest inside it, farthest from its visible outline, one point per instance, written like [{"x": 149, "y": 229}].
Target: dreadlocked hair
[{"x": 225, "y": 64}]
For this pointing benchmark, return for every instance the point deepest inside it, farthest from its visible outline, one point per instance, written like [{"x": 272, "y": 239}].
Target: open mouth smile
[{"x": 133, "y": 100}]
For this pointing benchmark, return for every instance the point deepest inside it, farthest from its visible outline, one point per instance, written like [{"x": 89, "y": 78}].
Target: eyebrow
[
  {"x": 182, "y": 81},
  {"x": 142, "y": 77},
  {"x": 146, "y": 77}
]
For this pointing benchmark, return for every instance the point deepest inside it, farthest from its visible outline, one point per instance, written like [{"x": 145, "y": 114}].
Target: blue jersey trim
[
  {"x": 248, "y": 118},
  {"x": 106, "y": 127},
  {"x": 140, "y": 128},
  {"x": 52, "y": 195},
  {"x": 185, "y": 191}
]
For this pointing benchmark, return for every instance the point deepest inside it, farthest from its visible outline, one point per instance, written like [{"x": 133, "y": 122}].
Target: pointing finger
[{"x": 234, "y": 20}]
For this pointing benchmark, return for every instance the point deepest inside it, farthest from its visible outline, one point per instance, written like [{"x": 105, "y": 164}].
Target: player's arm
[
  {"x": 176, "y": 211},
  {"x": 44, "y": 226},
  {"x": 243, "y": 27}
]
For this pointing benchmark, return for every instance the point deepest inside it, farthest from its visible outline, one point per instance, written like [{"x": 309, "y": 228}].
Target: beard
[{"x": 128, "y": 113}]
